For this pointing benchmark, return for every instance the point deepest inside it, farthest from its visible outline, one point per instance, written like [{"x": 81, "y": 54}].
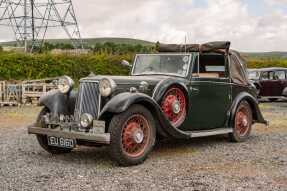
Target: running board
[{"x": 206, "y": 133}]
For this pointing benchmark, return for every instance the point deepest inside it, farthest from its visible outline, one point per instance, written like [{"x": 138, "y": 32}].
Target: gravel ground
[{"x": 199, "y": 164}]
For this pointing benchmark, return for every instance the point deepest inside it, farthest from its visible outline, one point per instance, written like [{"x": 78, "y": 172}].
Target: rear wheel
[
  {"x": 43, "y": 140},
  {"x": 242, "y": 123},
  {"x": 133, "y": 135}
]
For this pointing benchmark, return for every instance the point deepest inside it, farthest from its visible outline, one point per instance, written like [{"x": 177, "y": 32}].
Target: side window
[
  {"x": 279, "y": 75},
  {"x": 264, "y": 76},
  {"x": 253, "y": 75},
  {"x": 210, "y": 65}
]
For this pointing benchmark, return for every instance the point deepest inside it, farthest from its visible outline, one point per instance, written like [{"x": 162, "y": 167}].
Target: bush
[
  {"x": 267, "y": 62},
  {"x": 20, "y": 66}
]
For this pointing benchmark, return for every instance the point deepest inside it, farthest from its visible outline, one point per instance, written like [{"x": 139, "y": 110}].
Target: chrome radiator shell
[{"x": 88, "y": 100}]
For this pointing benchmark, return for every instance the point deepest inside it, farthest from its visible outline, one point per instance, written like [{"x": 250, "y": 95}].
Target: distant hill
[{"x": 93, "y": 41}]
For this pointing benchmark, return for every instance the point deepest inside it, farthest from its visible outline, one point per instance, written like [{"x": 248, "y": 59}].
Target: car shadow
[{"x": 98, "y": 157}]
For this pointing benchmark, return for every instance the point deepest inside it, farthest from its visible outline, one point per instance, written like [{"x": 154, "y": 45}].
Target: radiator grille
[{"x": 88, "y": 100}]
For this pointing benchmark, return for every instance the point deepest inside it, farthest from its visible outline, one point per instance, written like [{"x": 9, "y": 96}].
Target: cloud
[{"x": 170, "y": 21}]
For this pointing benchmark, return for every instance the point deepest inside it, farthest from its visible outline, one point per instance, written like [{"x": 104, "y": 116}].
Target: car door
[
  {"x": 209, "y": 92},
  {"x": 279, "y": 82},
  {"x": 266, "y": 83},
  {"x": 284, "y": 82}
]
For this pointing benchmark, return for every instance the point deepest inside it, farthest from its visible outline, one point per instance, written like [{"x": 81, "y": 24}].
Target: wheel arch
[
  {"x": 123, "y": 101},
  {"x": 59, "y": 103},
  {"x": 166, "y": 84},
  {"x": 256, "y": 113}
]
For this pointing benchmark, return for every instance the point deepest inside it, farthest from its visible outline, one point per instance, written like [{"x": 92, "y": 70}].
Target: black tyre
[
  {"x": 133, "y": 135},
  {"x": 43, "y": 140},
  {"x": 242, "y": 123}
]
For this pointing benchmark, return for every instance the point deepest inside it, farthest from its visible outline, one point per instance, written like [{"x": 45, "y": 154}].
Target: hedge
[
  {"x": 267, "y": 62},
  {"x": 20, "y": 66}
]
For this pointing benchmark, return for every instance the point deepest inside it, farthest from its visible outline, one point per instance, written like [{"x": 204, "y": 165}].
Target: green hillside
[{"x": 92, "y": 41}]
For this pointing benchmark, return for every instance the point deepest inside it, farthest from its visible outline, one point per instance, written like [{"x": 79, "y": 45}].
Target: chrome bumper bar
[{"x": 103, "y": 138}]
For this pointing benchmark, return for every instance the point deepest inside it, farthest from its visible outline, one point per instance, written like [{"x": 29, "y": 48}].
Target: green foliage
[
  {"x": 113, "y": 48},
  {"x": 266, "y": 62},
  {"x": 104, "y": 59},
  {"x": 107, "y": 47},
  {"x": 20, "y": 66},
  {"x": 1, "y": 48}
]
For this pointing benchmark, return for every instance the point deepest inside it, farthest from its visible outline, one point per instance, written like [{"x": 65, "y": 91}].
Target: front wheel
[
  {"x": 133, "y": 135},
  {"x": 242, "y": 123}
]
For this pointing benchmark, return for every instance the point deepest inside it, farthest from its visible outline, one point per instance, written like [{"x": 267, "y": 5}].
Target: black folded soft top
[
  {"x": 237, "y": 66},
  {"x": 206, "y": 47}
]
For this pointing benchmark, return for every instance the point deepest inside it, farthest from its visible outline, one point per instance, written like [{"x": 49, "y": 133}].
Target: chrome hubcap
[
  {"x": 244, "y": 122},
  {"x": 138, "y": 136},
  {"x": 176, "y": 107}
]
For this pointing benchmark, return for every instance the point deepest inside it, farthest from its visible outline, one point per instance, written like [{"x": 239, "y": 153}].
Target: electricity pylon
[{"x": 31, "y": 19}]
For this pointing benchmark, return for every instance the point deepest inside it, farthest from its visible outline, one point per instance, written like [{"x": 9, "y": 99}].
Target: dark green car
[{"x": 181, "y": 92}]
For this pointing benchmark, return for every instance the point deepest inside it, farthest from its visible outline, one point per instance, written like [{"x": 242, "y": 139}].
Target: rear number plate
[{"x": 61, "y": 142}]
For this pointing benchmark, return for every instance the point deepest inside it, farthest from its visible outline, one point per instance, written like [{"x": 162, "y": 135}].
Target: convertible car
[
  {"x": 180, "y": 92},
  {"x": 271, "y": 83}
]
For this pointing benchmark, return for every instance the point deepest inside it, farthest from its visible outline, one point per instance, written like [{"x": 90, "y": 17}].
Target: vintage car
[
  {"x": 271, "y": 83},
  {"x": 180, "y": 92}
]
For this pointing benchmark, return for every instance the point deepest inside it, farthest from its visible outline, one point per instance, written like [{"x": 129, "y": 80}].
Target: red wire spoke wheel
[
  {"x": 132, "y": 135},
  {"x": 174, "y": 106},
  {"x": 135, "y": 135},
  {"x": 242, "y": 121}
]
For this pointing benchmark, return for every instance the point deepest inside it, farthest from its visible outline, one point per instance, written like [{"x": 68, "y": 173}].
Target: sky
[{"x": 250, "y": 25}]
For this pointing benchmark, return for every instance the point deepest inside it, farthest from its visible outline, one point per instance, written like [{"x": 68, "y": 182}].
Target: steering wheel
[{"x": 149, "y": 68}]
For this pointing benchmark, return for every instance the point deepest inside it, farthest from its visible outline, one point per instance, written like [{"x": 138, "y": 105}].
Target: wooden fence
[{"x": 26, "y": 92}]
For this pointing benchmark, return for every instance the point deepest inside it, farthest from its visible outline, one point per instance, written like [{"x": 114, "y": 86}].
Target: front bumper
[{"x": 91, "y": 136}]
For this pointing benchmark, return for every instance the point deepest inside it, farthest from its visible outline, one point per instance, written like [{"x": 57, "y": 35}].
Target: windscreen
[{"x": 162, "y": 64}]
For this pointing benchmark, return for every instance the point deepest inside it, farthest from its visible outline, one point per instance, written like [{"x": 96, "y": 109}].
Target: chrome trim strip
[
  {"x": 200, "y": 81},
  {"x": 99, "y": 105},
  {"x": 98, "y": 138},
  {"x": 277, "y": 97},
  {"x": 207, "y": 133}
]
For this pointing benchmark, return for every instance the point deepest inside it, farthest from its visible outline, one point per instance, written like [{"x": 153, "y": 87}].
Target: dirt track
[{"x": 199, "y": 164}]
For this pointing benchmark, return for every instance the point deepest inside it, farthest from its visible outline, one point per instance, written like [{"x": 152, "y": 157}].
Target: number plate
[{"x": 61, "y": 142}]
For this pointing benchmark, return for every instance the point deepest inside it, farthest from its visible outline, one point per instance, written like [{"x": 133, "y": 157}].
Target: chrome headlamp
[
  {"x": 107, "y": 86},
  {"x": 65, "y": 84},
  {"x": 86, "y": 120}
]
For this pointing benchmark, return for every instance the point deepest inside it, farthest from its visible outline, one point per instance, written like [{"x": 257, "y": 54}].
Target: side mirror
[{"x": 126, "y": 63}]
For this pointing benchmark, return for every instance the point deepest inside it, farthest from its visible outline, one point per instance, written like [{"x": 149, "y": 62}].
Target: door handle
[{"x": 194, "y": 90}]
